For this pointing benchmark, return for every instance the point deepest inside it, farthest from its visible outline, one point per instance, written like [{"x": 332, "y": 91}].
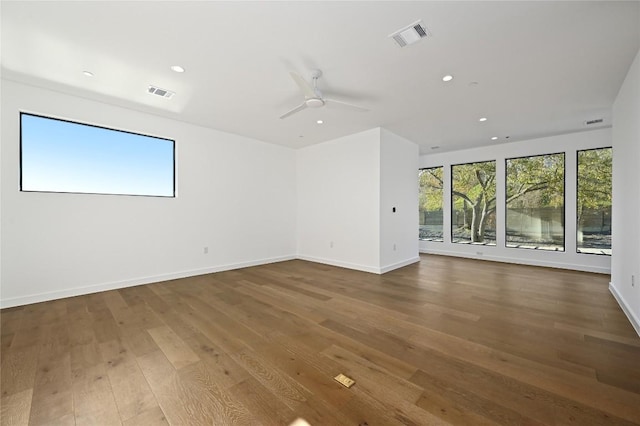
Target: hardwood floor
[{"x": 444, "y": 341}]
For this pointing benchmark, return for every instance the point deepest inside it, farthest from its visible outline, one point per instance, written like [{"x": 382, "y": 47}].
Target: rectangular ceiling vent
[
  {"x": 591, "y": 122},
  {"x": 410, "y": 34},
  {"x": 160, "y": 92}
]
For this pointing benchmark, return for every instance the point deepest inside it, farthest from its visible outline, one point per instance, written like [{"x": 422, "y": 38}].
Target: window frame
[
  {"x": 443, "y": 204},
  {"x": 64, "y": 120},
  {"x": 564, "y": 201},
  {"x": 451, "y": 210},
  {"x": 578, "y": 151}
]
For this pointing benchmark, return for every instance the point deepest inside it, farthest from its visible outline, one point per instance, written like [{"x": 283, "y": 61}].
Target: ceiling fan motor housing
[{"x": 314, "y": 102}]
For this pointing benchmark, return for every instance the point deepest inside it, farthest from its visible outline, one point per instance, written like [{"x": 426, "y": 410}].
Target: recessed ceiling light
[
  {"x": 482, "y": 119},
  {"x": 319, "y": 121},
  {"x": 494, "y": 138},
  {"x": 87, "y": 73},
  {"x": 447, "y": 78},
  {"x": 177, "y": 68}
]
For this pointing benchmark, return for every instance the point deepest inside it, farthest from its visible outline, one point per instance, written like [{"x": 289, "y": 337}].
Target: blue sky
[{"x": 59, "y": 156}]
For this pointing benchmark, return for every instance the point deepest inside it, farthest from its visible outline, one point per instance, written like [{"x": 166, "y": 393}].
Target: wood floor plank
[
  {"x": 18, "y": 370},
  {"x": 14, "y": 408},
  {"x": 281, "y": 299},
  {"x": 382, "y": 383},
  {"x": 153, "y": 417},
  {"x": 5, "y": 341},
  {"x": 213, "y": 404},
  {"x": 498, "y": 397},
  {"x": 93, "y": 397},
  {"x": 442, "y": 341},
  {"x": 262, "y": 403},
  {"x": 450, "y": 409},
  {"x": 221, "y": 366},
  {"x": 162, "y": 379},
  {"x": 190, "y": 398},
  {"x": 313, "y": 371},
  {"x": 282, "y": 386},
  {"x": 116, "y": 304},
  {"x": 138, "y": 340},
  {"x": 28, "y": 337},
  {"x": 52, "y": 393},
  {"x": 105, "y": 326},
  {"x": 130, "y": 389},
  {"x": 397, "y": 394},
  {"x": 11, "y": 320},
  {"x": 174, "y": 348},
  {"x": 80, "y": 329},
  {"x": 85, "y": 356},
  {"x": 584, "y": 331}
]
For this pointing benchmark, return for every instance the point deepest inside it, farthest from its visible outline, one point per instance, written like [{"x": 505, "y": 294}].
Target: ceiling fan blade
[
  {"x": 293, "y": 111},
  {"x": 306, "y": 88},
  {"x": 344, "y": 105}
]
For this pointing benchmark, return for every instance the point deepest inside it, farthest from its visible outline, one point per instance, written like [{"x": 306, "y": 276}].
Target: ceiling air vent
[
  {"x": 160, "y": 92},
  {"x": 410, "y": 34},
  {"x": 591, "y": 122}
]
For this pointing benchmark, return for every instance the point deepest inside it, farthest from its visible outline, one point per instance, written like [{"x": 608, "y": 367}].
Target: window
[
  {"x": 64, "y": 156},
  {"x": 431, "y": 215},
  {"x": 594, "y": 201},
  {"x": 473, "y": 201},
  {"x": 535, "y": 202}
]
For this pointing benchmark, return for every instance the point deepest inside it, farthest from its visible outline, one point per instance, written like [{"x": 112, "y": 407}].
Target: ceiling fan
[{"x": 313, "y": 96}]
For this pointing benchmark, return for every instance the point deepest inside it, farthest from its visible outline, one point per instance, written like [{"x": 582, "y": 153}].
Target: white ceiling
[{"x": 541, "y": 68}]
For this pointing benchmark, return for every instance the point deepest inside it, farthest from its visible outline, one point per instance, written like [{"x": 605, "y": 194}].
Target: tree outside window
[
  {"x": 594, "y": 201},
  {"x": 431, "y": 204},
  {"x": 535, "y": 202},
  {"x": 473, "y": 200}
]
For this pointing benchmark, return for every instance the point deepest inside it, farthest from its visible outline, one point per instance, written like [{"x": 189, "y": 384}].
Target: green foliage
[
  {"x": 531, "y": 182},
  {"x": 474, "y": 194},
  {"x": 430, "y": 181},
  {"x": 474, "y": 183},
  {"x": 535, "y": 182},
  {"x": 594, "y": 179}
]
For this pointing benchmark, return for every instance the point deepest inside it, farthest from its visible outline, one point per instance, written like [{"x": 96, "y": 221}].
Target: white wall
[
  {"x": 235, "y": 195},
  {"x": 338, "y": 201},
  {"x": 568, "y": 259},
  {"x": 399, "y": 189},
  {"x": 626, "y": 195}
]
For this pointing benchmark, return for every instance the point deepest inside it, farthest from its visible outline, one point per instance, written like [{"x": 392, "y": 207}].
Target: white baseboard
[
  {"x": 398, "y": 265},
  {"x": 520, "y": 261},
  {"x": 78, "y": 291},
  {"x": 635, "y": 322},
  {"x": 363, "y": 268},
  {"x": 357, "y": 267}
]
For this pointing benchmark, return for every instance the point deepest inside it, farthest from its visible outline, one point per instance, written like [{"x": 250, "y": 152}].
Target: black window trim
[
  {"x": 451, "y": 166},
  {"x": 564, "y": 201},
  {"x": 427, "y": 168},
  {"x": 173, "y": 143},
  {"x": 578, "y": 151}
]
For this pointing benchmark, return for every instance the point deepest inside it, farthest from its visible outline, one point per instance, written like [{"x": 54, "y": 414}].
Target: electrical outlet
[
  {"x": 205, "y": 250},
  {"x": 633, "y": 280},
  {"x": 394, "y": 247},
  {"x": 345, "y": 381},
  {"x": 331, "y": 244},
  {"x": 479, "y": 253}
]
